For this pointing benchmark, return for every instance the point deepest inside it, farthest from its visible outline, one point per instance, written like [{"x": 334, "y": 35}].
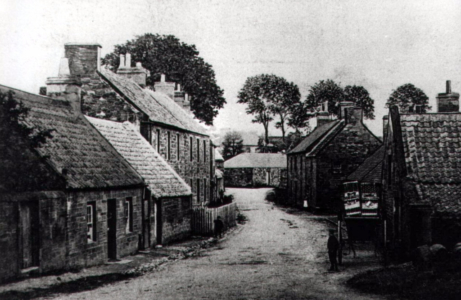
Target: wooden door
[
  {"x": 112, "y": 229},
  {"x": 159, "y": 221},
  {"x": 29, "y": 234},
  {"x": 145, "y": 242}
]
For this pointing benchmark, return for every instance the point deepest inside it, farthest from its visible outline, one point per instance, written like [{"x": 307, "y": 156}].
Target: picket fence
[{"x": 203, "y": 217}]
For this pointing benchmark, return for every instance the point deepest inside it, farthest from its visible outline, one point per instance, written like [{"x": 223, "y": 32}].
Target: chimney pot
[
  {"x": 122, "y": 61},
  {"x": 64, "y": 70},
  {"x": 127, "y": 60},
  {"x": 178, "y": 87},
  {"x": 448, "y": 86},
  {"x": 448, "y": 102},
  {"x": 162, "y": 78},
  {"x": 139, "y": 65}
]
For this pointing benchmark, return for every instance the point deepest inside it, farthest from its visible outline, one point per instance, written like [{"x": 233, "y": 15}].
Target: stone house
[
  {"x": 73, "y": 202},
  {"x": 162, "y": 116},
  {"x": 320, "y": 163},
  {"x": 421, "y": 183},
  {"x": 255, "y": 170},
  {"x": 169, "y": 218}
]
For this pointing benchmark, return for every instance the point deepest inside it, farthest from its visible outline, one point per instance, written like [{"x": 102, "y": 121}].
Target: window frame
[
  {"x": 91, "y": 235},
  {"x": 128, "y": 211}
]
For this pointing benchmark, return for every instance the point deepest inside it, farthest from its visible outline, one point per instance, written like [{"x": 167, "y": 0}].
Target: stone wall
[
  {"x": 8, "y": 240},
  {"x": 301, "y": 180},
  {"x": 196, "y": 167},
  {"x": 241, "y": 177},
  {"x": 83, "y": 253},
  {"x": 176, "y": 219},
  {"x": 252, "y": 177}
]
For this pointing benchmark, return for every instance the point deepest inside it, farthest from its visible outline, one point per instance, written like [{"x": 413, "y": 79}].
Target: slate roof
[
  {"x": 87, "y": 159},
  {"x": 317, "y": 137},
  {"x": 163, "y": 181},
  {"x": 257, "y": 160},
  {"x": 158, "y": 106},
  {"x": 432, "y": 148},
  {"x": 371, "y": 169}
]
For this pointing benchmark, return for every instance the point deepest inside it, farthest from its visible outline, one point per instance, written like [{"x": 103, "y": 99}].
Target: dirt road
[{"x": 276, "y": 255}]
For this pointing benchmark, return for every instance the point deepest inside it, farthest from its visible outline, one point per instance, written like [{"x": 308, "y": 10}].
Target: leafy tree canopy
[
  {"x": 232, "y": 145},
  {"x": 268, "y": 96},
  {"x": 407, "y": 96},
  {"x": 360, "y": 96},
  {"x": 328, "y": 90},
  {"x": 181, "y": 63}
]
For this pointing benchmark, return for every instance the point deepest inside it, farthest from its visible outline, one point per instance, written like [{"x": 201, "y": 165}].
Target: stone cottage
[
  {"x": 322, "y": 161},
  {"x": 421, "y": 182},
  {"x": 162, "y": 116},
  {"x": 255, "y": 170},
  {"x": 74, "y": 201},
  {"x": 170, "y": 217}
]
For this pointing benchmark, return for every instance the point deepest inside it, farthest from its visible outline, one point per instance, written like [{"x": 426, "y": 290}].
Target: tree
[
  {"x": 407, "y": 96},
  {"x": 232, "y": 144},
  {"x": 180, "y": 62},
  {"x": 267, "y": 96},
  {"x": 360, "y": 96},
  {"x": 322, "y": 91},
  {"x": 22, "y": 169},
  {"x": 299, "y": 116}
]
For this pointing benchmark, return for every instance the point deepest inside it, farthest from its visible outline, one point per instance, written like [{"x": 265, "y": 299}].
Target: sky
[{"x": 379, "y": 45}]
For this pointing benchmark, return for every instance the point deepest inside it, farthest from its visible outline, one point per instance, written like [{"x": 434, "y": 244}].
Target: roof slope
[
  {"x": 432, "y": 145},
  {"x": 315, "y": 137},
  {"x": 257, "y": 160},
  {"x": 371, "y": 169},
  {"x": 158, "y": 106},
  {"x": 163, "y": 181},
  {"x": 87, "y": 159}
]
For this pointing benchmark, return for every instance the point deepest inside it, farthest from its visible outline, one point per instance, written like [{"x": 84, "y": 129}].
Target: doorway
[
  {"x": 112, "y": 229},
  {"x": 29, "y": 234},
  {"x": 145, "y": 241},
  {"x": 159, "y": 221}
]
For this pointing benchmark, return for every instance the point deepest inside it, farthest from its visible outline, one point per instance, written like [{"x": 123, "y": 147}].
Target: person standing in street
[
  {"x": 333, "y": 246},
  {"x": 218, "y": 227}
]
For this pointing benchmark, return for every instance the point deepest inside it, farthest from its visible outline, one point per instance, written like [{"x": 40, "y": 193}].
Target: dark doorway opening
[
  {"x": 112, "y": 229},
  {"x": 29, "y": 234}
]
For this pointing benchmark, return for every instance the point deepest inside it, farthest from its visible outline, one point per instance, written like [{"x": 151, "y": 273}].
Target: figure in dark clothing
[
  {"x": 218, "y": 227},
  {"x": 333, "y": 246}
]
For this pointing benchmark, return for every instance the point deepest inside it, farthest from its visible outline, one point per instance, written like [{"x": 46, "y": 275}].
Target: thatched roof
[
  {"x": 163, "y": 181},
  {"x": 257, "y": 160},
  {"x": 157, "y": 106},
  {"x": 77, "y": 150}
]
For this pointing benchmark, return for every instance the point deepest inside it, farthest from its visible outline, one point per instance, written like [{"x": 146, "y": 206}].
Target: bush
[
  {"x": 241, "y": 218},
  {"x": 227, "y": 199},
  {"x": 276, "y": 195}
]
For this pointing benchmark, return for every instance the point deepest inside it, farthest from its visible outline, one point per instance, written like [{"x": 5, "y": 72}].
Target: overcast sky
[{"x": 377, "y": 44}]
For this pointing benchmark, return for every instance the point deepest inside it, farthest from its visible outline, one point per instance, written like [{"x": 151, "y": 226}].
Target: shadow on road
[{"x": 79, "y": 285}]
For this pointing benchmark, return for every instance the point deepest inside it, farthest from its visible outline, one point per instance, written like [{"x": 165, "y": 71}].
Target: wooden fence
[{"x": 203, "y": 217}]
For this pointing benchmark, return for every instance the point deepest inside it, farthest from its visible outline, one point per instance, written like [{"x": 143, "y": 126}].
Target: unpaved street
[{"x": 275, "y": 255}]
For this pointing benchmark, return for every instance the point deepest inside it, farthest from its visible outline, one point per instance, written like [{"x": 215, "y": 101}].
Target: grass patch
[{"x": 439, "y": 281}]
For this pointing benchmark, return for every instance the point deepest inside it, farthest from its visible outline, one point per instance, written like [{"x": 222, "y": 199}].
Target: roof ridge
[{"x": 318, "y": 143}]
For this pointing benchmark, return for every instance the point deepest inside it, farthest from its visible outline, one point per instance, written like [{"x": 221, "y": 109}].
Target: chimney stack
[
  {"x": 65, "y": 86},
  {"x": 167, "y": 88},
  {"x": 84, "y": 59},
  {"x": 138, "y": 74},
  {"x": 385, "y": 126},
  {"x": 448, "y": 102},
  {"x": 342, "y": 108}
]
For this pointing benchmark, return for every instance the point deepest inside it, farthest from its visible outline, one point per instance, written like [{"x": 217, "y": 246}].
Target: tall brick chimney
[
  {"x": 65, "y": 86},
  {"x": 165, "y": 87},
  {"x": 354, "y": 115},
  {"x": 323, "y": 116},
  {"x": 449, "y": 101},
  {"x": 342, "y": 108},
  {"x": 138, "y": 74},
  {"x": 84, "y": 59}
]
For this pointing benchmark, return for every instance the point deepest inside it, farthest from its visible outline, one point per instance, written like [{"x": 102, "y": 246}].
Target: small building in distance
[
  {"x": 255, "y": 170},
  {"x": 318, "y": 165},
  {"x": 421, "y": 182}
]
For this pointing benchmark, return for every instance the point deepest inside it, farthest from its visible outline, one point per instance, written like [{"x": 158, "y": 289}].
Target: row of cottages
[
  {"x": 319, "y": 164},
  {"x": 162, "y": 116},
  {"x": 255, "y": 170},
  {"x": 421, "y": 182},
  {"x": 73, "y": 202}
]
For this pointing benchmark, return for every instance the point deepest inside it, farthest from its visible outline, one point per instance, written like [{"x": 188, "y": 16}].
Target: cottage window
[
  {"x": 169, "y": 146},
  {"x": 204, "y": 190},
  {"x": 198, "y": 150},
  {"x": 158, "y": 141},
  {"x": 91, "y": 221},
  {"x": 129, "y": 215},
  {"x": 191, "y": 146},
  {"x": 204, "y": 150},
  {"x": 177, "y": 147},
  {"x": 198, "y": 190}
]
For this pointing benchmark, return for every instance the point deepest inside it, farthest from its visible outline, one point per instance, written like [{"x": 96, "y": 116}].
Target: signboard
[{"x": 351, "y": 199}]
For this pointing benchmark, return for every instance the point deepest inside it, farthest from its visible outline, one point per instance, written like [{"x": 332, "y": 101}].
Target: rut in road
[{"x": 275, "y": 255}]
